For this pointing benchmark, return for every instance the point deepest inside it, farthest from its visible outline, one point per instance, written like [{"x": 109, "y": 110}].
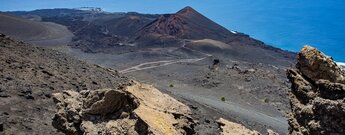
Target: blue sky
[
  {"x": 287, "y": 24},
  {"x": 147, "y": 6}
]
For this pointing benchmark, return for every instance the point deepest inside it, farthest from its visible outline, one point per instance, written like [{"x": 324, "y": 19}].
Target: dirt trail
[
  {"x": 149, "y": 65},
  {"x": 240, "y": 112},
  {"x": 154, "y": 64}
]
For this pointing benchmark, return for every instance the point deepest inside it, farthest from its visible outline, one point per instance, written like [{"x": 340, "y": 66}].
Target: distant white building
[{"x": 92, "y": 9}]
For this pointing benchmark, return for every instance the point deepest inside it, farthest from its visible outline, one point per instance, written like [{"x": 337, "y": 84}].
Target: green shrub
[
  {"x": 222, "y": 99},
  {"x": 171, "y": 85}
]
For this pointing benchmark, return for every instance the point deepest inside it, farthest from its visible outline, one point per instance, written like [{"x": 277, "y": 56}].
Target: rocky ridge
[{"x": 317, "y": 95}]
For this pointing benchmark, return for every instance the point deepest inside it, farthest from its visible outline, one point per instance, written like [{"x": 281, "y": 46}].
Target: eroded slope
[
  {"x": 28, "y": 77},
  {"x": 35, "y": 32}
]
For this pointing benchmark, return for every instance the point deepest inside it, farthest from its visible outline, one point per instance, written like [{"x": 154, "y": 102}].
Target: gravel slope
[{"x": 29, "y": 76}]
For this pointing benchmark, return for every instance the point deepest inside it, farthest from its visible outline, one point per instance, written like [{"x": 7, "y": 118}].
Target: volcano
[{"x": 186, "y": 24}]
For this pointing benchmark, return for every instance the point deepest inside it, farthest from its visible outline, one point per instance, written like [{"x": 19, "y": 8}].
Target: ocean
[{"x": 290, "y": 24}]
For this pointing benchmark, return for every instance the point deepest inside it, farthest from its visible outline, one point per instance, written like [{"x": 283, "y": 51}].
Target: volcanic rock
[
  {"x": 81, "y": 112},
  {"x": 103, "y": 101},
  {"x": 271, "y": 132},
  {"x": 230, "y": 128},
  {"x": 67, "y": 117},
  {"x": 140, "y": 109},
  {"x": 1, "y": 127},
  {"x": 317, "y": 95},
  {"x": 315, "y": 65}
]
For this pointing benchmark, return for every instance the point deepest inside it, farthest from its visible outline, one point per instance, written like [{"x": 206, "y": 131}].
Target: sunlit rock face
[
  {"x": 317, "y": 95},
  {"x": 135, "y": 110}
]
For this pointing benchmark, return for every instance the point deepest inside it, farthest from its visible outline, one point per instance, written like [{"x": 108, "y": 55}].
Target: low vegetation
[{"x": 222, "y": 99}]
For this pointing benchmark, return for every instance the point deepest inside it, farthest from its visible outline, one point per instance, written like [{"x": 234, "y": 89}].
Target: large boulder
[
  {"x": 93, "y": 112},
  {"x": 67, "y": 116},
  {"x": 315, "y": 65},
  {"x": 103, "y": 101},
  {"x": 317, "y": 95},
  {"x": 138, "y": 109}
]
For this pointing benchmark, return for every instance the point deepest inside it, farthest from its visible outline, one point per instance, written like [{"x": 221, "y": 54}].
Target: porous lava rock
[{"x": 317, "y": 95}]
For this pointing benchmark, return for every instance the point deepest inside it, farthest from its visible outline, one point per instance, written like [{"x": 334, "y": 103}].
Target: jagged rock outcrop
[
  {"x": 231, "y": 128},
  {"x": 137, "y": 109},
  {"x": 90, "y": 112},
  {"x": 271, "y": 132},
  {"x": 317, "y": 95},
  {"x": 162, "y": 113}
]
